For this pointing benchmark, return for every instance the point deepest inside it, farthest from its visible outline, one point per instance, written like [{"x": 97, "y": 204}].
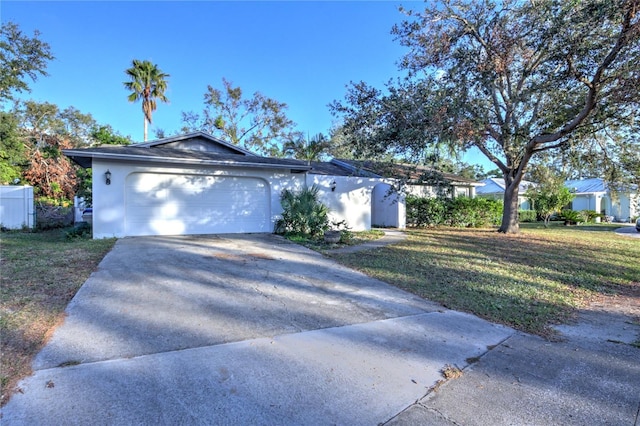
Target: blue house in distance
[
  {"x": 595, "y": 194},
  {"x": 494, "y": 189}
]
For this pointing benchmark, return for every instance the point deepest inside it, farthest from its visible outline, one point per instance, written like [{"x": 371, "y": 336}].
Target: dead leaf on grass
[{"x": 451, "y": 372}]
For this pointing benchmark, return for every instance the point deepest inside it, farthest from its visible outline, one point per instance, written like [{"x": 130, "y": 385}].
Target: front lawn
[
  {"x": 527, "y": 281},
  {"x": 40, "y": 273}
]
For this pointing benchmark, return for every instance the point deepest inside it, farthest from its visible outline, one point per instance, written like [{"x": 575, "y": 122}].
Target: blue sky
[{"x": 302, "y": 53}]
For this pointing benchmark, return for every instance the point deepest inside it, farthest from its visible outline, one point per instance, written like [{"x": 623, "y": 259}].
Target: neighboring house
[
  {"x": 594, "y": 194},
  {"x": 198, "y": 184},
  {"x": 494, "y": 189}
]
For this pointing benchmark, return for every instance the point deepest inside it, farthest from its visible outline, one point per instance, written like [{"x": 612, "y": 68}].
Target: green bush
[
  {"x": 527, "y": 216},
  {"x": 303, "y": 214},
  {"x": 589, "y": 216},
  {"x": 425, "y": 211},
  {"x": 79, "y": 230},
  {"x": 458, "y": 212},
  {"x": 571, "y": 217},
  {"x": 346, "y": 236},
  {"x": 474, "y": 212}
]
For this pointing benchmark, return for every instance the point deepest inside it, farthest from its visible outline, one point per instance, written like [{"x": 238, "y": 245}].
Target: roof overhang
[{"x": 85, "y": 157}]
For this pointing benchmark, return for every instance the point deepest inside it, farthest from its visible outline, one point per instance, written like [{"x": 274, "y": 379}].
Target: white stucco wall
[
  {"x": 352, "y": 200},
  {"x": 624, "y": 207},
  {"x": 109, "y": 200},
  {"x": 589, "y": 202},
  {"x": 388, "y": 207}
]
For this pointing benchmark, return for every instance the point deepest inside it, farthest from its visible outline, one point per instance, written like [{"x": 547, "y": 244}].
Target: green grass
[
  {"x": 40, "y": 273},
  {"x": 529, "y": 281}
]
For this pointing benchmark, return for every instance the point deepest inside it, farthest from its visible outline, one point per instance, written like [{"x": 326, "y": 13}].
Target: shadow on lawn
[{"x": 528, "y": 281}]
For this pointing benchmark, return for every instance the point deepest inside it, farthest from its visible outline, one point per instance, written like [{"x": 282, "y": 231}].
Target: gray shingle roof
[{"x": 84, "y": 157}]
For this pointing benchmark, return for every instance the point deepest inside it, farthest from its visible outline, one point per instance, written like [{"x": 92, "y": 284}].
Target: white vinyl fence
[{"x": 16, "y": 207}]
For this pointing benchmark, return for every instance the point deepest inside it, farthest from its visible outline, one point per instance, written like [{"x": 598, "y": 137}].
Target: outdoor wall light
[
  {"x": 107, "y": 177},
  {"x": 333, "y": 186}
]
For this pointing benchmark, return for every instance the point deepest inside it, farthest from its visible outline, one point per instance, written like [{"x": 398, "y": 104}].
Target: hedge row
[{"x": 458, "y": 212}]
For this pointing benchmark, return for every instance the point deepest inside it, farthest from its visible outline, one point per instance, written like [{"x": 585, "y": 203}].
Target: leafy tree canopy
[
  {"x": 22, "y": 58},
  {"x": 13, "y": 155},
  {"x": 32, "y": 136},
  {"x": 39, "y": 119},
  {"x": 105, "y": 135},
  {"x": 257, "y": 123},
  {"x": 550, "y": 195},
  {"x": 514, "y": 79}
]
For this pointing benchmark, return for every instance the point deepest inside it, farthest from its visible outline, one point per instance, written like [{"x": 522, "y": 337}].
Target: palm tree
[
  {"x": 311, "y": 150},
  {"x": 147, "y": 83}
]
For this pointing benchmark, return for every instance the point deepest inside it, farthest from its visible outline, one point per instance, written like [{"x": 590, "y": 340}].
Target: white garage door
[{"x": 173, "y": 204}]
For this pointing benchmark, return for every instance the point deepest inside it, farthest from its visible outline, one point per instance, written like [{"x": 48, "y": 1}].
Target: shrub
[
  {"x": 527, "y": 216},
  {"x": 80, "y": 230},
  {"x": 425, "y": 211},
  {"x": 303, "y": 214},
  {"x": 571, "y": 217},
  {"x": 346, "y": 236},
  {"x": 460, "y": 212},
  {"x": 474, "y": 212},
  {"x": 589, "y": 216}
]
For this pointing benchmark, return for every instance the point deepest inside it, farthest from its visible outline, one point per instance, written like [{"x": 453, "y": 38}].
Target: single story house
[
  {"x": 198, "y": 184},
  {"x": 595, "y": 194},
  {"x": 493, "y": 188},
  {"x": 417, "y": 180}
]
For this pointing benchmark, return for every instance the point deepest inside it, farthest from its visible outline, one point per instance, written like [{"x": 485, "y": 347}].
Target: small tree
[{"x": 549, "y": 198}]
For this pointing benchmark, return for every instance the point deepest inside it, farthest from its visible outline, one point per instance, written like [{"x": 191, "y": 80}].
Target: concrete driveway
[
  {"x": 240, "y": 329},
  {"x": 628, "y": 231}
]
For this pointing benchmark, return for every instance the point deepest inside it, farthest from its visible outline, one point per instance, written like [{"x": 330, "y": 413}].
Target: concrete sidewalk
[
  {"x": 529, "y": 381},
  {"x": 255, "y": 330}
]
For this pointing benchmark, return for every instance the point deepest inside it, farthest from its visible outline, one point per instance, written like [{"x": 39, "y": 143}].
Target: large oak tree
[{"x": 514, "y": 79}]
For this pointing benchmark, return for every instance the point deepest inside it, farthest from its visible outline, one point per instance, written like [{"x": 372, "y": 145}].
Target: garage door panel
[{"x": 166, "y": 204}]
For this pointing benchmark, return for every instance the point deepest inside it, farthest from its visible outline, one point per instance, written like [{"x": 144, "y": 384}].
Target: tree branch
[{"x": 594, "y": 87}]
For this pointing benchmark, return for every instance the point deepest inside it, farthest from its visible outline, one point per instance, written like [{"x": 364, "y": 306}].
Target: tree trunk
[
  {"x": 510, "y": 224},
  {"x": 145, "y": 129}
]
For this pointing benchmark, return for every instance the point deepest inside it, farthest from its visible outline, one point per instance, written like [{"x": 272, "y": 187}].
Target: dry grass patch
[
  {"x": 40, "y": 273},
  {"x": 528, "y": 281}
]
